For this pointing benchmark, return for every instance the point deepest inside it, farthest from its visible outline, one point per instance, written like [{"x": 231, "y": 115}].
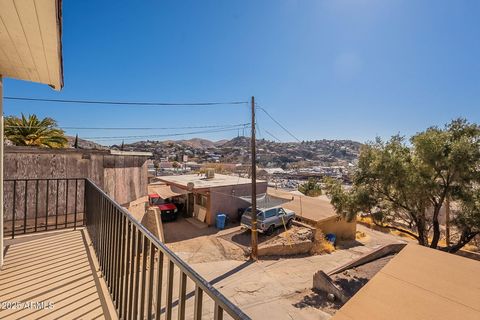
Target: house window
[{"x": 201, "y": 200}]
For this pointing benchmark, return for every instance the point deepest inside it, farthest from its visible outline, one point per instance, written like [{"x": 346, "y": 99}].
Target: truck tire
[
  {"x": 270, "y": 230},
  {"x": 289, "y": 223}
]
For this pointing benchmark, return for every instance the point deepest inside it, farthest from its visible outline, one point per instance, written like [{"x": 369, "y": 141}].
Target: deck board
[{"x": 54, "y": 267}]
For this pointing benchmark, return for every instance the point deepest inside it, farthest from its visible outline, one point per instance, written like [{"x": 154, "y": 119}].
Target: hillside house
[
  {"x": 318, "y": 212},
  {"x": 208, "y": 196}
]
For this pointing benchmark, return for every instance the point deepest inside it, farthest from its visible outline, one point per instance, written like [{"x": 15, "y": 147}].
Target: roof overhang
[
  {"x": 130, "y": 153},
  {"x": 31, "y": 41},
  {"x": 162, "y": 191}
]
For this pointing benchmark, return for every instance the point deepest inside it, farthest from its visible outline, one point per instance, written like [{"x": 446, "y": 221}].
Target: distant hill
[
  {"x": 237, "y": 142},
  {"x": 85, "y": 144},
  {"x": 236, "y": 150},
  {"x": 198, "y": 143}
]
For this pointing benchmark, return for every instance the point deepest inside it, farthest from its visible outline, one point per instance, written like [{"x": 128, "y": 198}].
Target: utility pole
[{"x": 254, "y": 187}]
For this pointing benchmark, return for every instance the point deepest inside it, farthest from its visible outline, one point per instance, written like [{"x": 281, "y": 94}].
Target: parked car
[
  {"x": 268, "y": 219},
  {"x": 168, "y": 210}
]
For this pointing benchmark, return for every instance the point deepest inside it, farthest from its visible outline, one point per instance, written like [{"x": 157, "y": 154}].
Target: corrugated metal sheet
[{"x": 163, "y": 190}]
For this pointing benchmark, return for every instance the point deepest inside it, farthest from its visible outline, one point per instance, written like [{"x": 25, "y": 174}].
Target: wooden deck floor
[{"x": 56, "y": 269}]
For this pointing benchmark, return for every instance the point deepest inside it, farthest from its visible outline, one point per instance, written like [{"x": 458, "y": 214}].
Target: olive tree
[{"x": 404, "y": 185}]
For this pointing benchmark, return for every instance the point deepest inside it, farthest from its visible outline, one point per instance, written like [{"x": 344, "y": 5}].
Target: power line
[
  {"x": 257, "y": 126},
  {"x": 161, "y": 135},
  {"x": 135, "y": 128},
  {"x": 130, "y": 103},
  {"x": 278, "y": 123},
  {"x": 271, "y": 135}
]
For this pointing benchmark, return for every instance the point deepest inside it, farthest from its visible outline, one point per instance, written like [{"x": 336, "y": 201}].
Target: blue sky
[{"x": 325, "y": 69}]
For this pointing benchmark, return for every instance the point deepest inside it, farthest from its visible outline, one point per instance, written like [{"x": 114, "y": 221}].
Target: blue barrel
[
  {"x": 331, "y": 238},
  {"x": 221, "y": 221}
]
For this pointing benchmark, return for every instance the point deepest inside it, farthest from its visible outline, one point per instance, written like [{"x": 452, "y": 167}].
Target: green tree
[
  {"x": 310, "y": 188},
  {"x": 404, "y": 186},
  {"x": 31, "y": 131}
]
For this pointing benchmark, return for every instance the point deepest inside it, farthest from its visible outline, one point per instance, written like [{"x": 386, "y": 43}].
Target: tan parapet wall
[
  {"x": 123, "y": 177},
  {"x": 153, "y": 222},
  {"x": 342, "y": 229}
]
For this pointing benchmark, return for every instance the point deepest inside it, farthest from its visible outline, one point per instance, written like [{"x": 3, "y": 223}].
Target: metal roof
[
  {"x": 162, "y": 190},
  {"x": 311, "y": 208},
  {"x": 200, "y": 181}
]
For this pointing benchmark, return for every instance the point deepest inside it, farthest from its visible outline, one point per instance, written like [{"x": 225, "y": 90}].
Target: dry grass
[
  {"x": 368, "y": 222},
  {"x": 321, "y": 245},
  {"x": 472, "y": 246},
  {"x": 360, "y": 235}
]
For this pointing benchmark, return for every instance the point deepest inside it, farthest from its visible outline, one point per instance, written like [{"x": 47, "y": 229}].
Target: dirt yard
[
  {"x": 197, "y": 245},
  {"x": 293, "y": 235},
  {"x": 279, "y": 284},
  {"x": 205, "y": 244}
]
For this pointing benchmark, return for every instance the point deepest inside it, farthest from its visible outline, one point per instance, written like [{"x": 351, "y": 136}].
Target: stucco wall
[
  {"x": 225, "y": 199},
  {"x": 340, "y": 227},
  {"x": 124, "y": 177},
  {"x": 31, "y": 163}
]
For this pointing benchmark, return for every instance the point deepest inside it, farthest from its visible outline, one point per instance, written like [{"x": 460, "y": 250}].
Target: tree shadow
[{"x": 348, "y": 244}]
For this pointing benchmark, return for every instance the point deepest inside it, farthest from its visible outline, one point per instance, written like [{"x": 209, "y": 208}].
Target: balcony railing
[
  {"x": 138, "y": 269},
  {"x": 33, "y": 205}
]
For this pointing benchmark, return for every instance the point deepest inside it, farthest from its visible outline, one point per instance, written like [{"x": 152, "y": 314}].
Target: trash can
[
  {"x": 221, "y": 221},
  {"x": 331, "y": 238}
]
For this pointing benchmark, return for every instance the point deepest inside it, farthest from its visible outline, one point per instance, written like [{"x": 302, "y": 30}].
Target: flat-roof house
[
  {"x": 208, "y": 196},
  {"x": 317, "y": 211}
]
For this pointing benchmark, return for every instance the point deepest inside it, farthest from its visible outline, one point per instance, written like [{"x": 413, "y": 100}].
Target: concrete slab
[{"x": 419, "y": 283}]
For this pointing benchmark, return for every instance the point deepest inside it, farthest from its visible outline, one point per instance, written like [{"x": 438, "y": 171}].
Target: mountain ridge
[{"x": 237, "y": 150}]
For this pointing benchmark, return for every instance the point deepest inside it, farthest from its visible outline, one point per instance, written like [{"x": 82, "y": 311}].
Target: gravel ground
[
  {"x": 293, "y": 235},
  {"x": 351, "y": 281},
  {"x": 354, "y": 279}
]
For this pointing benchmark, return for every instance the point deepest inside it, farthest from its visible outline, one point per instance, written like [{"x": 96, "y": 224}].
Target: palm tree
[{"x": 31, "y": 131}]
